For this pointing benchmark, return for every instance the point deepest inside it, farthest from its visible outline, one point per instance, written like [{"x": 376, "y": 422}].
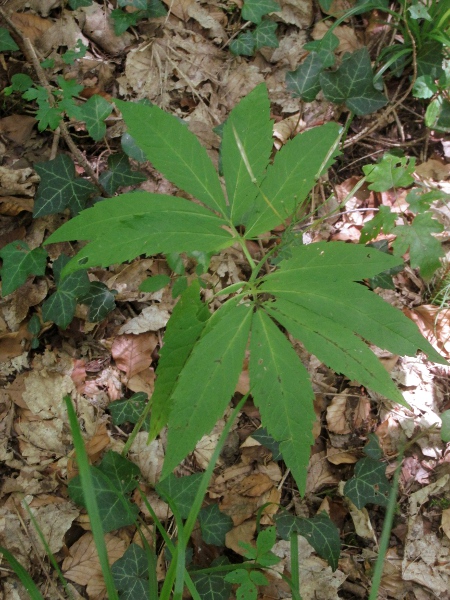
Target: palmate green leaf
[
  {"x": 119, "y": 173},
  {"x": 174, "y": 151},
  {"x": 320, "y": 278},
  {"x": 113, "y": 480},
  {"x": 18, "y": 263},
  {"x": 304, "y": 81},
  {"x": 390, "y": 172},
  {"x": 247, "y": 581},
  {"x": 7, "y": 44},
  {"x": 245, "y": 151},
  {"x": 424, "y": 249},
  {"x": 254, "y": 10},
  {"x": 282, "y": 391},
  {"x": 207, "y": 382},
  {"x": 124, "y": 227},
  {"x": 292, "y": 176},
  {"x": 94, "y": 113},
  {"x": 384, "y": 220},
  {"x": 182, "y": 332},
  {"x": 180, "y": 491},
  {"x": 214, "y": 525},
  {"x": 60, "y": 188},
  {"x": 131, "y": 574},
  {"x": 336, "y": 346},
  {"x": 352, "y": 84}
]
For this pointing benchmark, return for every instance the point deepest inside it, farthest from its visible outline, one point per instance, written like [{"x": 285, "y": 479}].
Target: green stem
[{"x": 295, "y": 575}]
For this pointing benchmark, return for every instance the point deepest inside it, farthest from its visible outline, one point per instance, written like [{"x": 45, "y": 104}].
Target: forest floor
[{"x": 182, "y": 63}]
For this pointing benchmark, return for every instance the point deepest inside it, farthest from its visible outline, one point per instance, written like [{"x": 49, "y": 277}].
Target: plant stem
[{"x": 295, "y": 576}]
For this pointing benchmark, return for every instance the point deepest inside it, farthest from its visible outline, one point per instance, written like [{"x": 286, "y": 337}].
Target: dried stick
[{"x": 30, "y": 54}]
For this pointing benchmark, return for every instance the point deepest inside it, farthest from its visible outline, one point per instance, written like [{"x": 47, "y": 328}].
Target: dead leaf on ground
[{"x": 32, "y": 26}]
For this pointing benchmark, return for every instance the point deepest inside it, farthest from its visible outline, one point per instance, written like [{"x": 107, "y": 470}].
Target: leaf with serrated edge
[
  {"x": 59, "y": 187},
  {"x": 336, "y": 346},
  {"x": 323, "y": 535},
  {"x": 316, "y": 278},
  {"x": 18, "y": 263},
  {"x": 292, "y": 176},
  {"x": 216, "y": 362},
  {"x": 124, "y": 227},
  {"x": 282, "y": 391},
  {"x": 246, "y": 146},
  {"x": 182, "y": 332},
  {"x": 175, "y": 152}
]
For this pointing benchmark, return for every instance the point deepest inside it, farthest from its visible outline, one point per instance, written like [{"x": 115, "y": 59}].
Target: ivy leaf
[
  {"x": 140, "y": 4},
  {"x": 245, "y": 151},
  {"x": 59, "y": 188},
  {"x": 74, "y": 4},
  {"x": 183, "y": 330},
  {"x": 18, "y": 263},
  {"x": 352, "y": 84},
  {"x": 424, "y": 249},
  {"x": 141, "y": 223},
  {"x": 113, "y": 480},
  {"x": 214, "y": 525},
  {"x": 211, "y": 586},
  {"x": 391, "y": 172},
  {"x": 119, "y": 174},
  {"x": 323, "y": 535},
  {"x": 180, "y": 491},
  {"x": 305, "y": 80},
  {"x": 123, "y": 20},
  {"x": 277, "y": 376},
  {"x": 384, "y": 220},
  {"x": 244, "y": 44},
  {"x": 254, "y": 10},
  {"x": 7, "y": 44},
  {"x": 264, "y": 34},
  {"x": 292, "y": 176},
  {"x": 70, "y": 56},
  {"x": 60, "y": 306},
  {"x": 424, "y": 87},
  {"x": 128, "y": 410},
  {"x": 369, "y": 484},
  {"x": 131, "y": 574},
  {"x": 324, "y": 48},
  {"x": 429, "y": 59},
  {"x": 218, "y": 357},
  {"x": 94, "y": 112},
  {"x": 174, "y": 151},
  {"x": 262, "y": 436},
  {"x": 372, "y": 448},
  {"x": 419, "y": 11},
  {"x": 100, "y": 300}
]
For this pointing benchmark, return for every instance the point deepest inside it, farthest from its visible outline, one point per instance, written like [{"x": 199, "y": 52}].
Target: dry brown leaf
[
  {"x": 319, "y": 473},
  {"x": 148, "y": 457},
  {"x": 239, "y": 508},
  {"x": 54, "y": 520},
  {"x": 83, "y": 566},
  {"x": 296, "y": 12},
  {"x": 254, "y": 485},
  {"x": 445, "y": 522},
  {"x": 348, "y": 40},
  {"x": 242, "y": 533},
  {"x": 98, "y": 27},
  {"x": 434, "y": 169},
  {"x": 32, "y": 26},
  {"x": 434, "y": 325},
  {"x": 17, "y": 128},
  {"x": 341, "y": 457},
  {"x": 18, "y": 182},
  {"x": 12, "y": 206},
  {"x": 133, "y": 353},
  {"x": 143, "y": 382},
  {"x": 337, "y": 418},
  {"x": 12, "y": 344},
  {"x": 152, "y": 318}
]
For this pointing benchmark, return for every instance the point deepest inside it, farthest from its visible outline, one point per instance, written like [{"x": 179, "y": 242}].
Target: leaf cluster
[{"x": 249, "y": 41}]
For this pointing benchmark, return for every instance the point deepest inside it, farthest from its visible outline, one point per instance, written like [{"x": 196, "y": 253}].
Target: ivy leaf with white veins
[
  {"x": 180, "y": 491},
  {"x": 244, "y": 44},
  {"x": 60, "y": 306},
  {"x": 100, "y": 300},
  {"x": 119, "y": 173},
  {"x": 264, "y": 35},
  {"x": 369, "y": 483},
  {"x": 131, "y": 574},
  {"x": 214, "y": 525},
  {"x": 352, "y": 84},
  {"x": 18, "y": 263},
  {"x": 128, "y": 410},
  {"x": 94, "y": 113},
  {"x": 305, "y": 80},
  {"x": 60, "y": 188},
  {"x": 254, "y": 10},
  {"x": 424, "y": 249}
]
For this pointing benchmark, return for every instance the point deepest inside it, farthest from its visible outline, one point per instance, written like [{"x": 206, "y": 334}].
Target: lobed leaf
[
  {"x": 94, "y": 113},
  {"x": 124, "y": 227},
  {"x": 175, "y": 152},
  {"x": 18, "y": 263},
  {"x": 119, "y": 173},
  {"x": 207, "y": 382},
  {"x": 214, "y": 525},
  {"x": 369, "y": 483},
  {"x": 292, "y": 176},
  {"x": 282, "y": 391},
  {"x": 323, "y": 535},
  {"x": 254, "y": 10},
  {"x": 131, "y": 574},
  {"x": 304, "y": 81},
  {"x": 180, "y": 491}
]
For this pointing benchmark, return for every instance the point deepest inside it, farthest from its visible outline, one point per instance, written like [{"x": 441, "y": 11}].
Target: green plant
[
  {"x": 314, "y": 294},
  {"x": 248, "y": 42}
]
